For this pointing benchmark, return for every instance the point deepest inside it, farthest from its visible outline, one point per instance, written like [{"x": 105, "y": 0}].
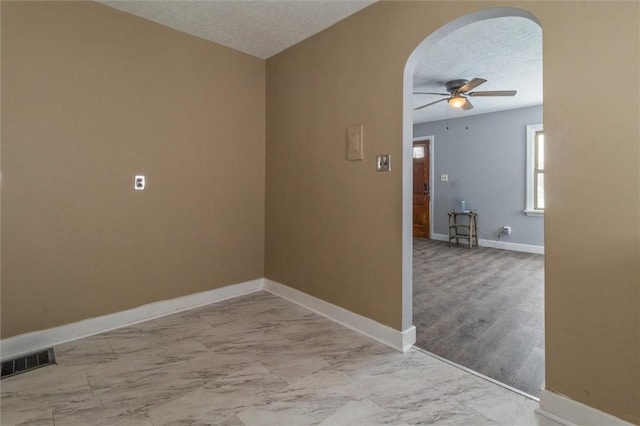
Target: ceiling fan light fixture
[{"x": 457, "y": 101}]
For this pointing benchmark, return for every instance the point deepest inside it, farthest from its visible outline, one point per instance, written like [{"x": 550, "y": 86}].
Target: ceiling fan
[{"x": 459, "y": 91}]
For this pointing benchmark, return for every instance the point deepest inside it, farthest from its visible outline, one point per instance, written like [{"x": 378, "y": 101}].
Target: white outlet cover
[
  {"x": 139, "y": 183},
  {"x": 444, "y": 178}
]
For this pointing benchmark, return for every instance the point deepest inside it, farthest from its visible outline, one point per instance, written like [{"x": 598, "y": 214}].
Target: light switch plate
[
  {"x": 138, "y": 183},
  {"x": 383, "y": 163},
  {"x": 355, "y": 142}
]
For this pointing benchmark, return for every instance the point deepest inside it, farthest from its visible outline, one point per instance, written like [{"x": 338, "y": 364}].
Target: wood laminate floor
[{"x": 482, "y": 308}]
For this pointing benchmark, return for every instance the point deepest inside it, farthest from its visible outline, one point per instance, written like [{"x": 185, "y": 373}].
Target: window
[
  {"x": 418, "y": 151},
  {"x": 535, "y": 170}
]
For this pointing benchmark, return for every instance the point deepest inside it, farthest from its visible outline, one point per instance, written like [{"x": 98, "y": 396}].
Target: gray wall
[{"x": 485, "y": 158}]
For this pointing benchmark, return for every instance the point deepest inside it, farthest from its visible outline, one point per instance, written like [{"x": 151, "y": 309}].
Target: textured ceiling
[
  {"x": 507, "y": 52},
  {"x": 259, "y": 27}
]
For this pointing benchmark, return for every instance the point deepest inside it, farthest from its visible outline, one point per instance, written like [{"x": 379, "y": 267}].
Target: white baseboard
[
  {"x": 439, "y": 237},
  {"x": 502, "y": 245},
  {"x": 566, "y": 411},
  {"x": 42, "y": 339},
  {"x": 399, "y": 340}
]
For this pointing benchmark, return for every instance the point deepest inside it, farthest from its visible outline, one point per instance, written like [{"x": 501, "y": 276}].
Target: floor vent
[{"x": 25, "y": 363}]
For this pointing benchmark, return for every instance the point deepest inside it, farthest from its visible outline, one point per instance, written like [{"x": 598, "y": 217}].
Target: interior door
[{"x": 421, "y": 189}]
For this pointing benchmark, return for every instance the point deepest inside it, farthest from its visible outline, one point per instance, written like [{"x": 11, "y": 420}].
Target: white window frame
[{"x": 532, "y": 129}]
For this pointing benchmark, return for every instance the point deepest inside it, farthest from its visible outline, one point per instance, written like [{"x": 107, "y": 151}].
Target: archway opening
[{"x": 430, "y": 44}]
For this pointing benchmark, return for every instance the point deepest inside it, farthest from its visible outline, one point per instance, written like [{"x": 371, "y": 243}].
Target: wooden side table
[{"x": 466, "y": 230}]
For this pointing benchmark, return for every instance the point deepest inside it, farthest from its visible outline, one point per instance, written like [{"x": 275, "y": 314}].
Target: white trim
[
  {"x": 42, "y": 339},
  {"x": 566, "y": 411},
  {"x": 534, "y": 212},
  {"x": 399, "y": 340},
  {"x": 502, "y": 245},
  {"x": 530, "y": 153},
  {"x": 432, "y": 187}
]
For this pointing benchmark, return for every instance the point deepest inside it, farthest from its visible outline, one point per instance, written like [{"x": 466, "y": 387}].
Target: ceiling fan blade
[
  {"x": 494, "y": 93},
  {"x": 430, "y": 93},
  {"x": 429, "y": 104},
  {"x": 467, "y": 105},
  {"x": 471, "y": 85}
]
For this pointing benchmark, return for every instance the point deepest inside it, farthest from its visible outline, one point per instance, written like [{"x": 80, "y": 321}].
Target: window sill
[{"x": 534, "y": 212}]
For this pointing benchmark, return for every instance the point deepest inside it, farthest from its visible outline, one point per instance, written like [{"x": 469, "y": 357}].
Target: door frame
[{"x": 431, "y": 177}]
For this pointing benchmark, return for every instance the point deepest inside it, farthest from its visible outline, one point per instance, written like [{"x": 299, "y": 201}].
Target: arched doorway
[{"x": 408, "y": 136}]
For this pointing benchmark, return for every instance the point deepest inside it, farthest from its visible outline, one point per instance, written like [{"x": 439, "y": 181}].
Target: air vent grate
[{"x": 25, "y": 363}]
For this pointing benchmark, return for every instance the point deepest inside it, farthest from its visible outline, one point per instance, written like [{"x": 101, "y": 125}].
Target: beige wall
[
  {"x": 92, "y": 96},
  {"x": 333, "y": 227}
]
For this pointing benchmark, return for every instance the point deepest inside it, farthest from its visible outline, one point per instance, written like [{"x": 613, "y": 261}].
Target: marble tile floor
[{"x": 253, "y": 360}]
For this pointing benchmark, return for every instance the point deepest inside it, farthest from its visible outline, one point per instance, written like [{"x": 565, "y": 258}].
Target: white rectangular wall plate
[
  {"x": 139, "y": 183},
  {"x": 444, "y": 178},
  {"x": 383, "y": 163},
  {"x": 355, "y": 142}
]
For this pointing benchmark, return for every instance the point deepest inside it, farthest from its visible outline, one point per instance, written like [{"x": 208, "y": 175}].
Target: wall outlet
[
  {"x": 506, "y": 230},
  {"x": 139, "y": 183}
]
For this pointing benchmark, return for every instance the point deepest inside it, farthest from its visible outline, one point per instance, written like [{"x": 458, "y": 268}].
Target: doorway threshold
[{"x": 475, "y": 373}]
